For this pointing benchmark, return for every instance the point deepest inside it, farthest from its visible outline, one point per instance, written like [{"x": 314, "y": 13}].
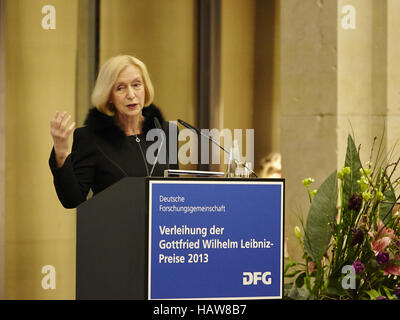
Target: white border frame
[{"x": 152, "y": 182}]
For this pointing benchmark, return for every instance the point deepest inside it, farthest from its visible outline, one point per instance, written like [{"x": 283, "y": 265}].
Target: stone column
[
  {"x": 369, "y": 78},
  {"x": 308, "y": 102},
  {"x": 340, "y": 75},
  {"x": 40, "y": 77},
  {"x": 361, "y": 74},
  {"x": 393, "y": 74}
]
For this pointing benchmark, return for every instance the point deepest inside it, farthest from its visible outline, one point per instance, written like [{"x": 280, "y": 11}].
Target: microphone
[
  {"x": 187, "y": 125},
  {"x": 158, "y": 126}
]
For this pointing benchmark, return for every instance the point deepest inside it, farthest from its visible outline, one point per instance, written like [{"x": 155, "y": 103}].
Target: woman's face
[{"x": 128, "y": 92}]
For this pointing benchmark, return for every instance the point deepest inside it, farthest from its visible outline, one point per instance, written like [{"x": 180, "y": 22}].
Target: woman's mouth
[{"x": 132, "y": 105}]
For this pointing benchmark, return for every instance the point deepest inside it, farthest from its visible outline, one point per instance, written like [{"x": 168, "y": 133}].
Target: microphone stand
[
  {"x": 158, "y": 125},
  {"x": 187, "y": 125}
]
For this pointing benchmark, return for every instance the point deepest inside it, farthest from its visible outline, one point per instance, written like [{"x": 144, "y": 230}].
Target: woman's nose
[{"x": 131, "y": 92}]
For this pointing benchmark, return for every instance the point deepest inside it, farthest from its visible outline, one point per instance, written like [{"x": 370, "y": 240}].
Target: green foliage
[
  {"x": 387, "y": 206},
  {"x": 350, "y": 185},
  {"x": 351, "y": 222},
  {"x": 321, "y": 218}
]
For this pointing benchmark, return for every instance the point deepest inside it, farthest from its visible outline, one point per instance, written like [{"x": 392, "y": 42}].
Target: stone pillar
[
  {"x": 308, "y": 102},
  {"x": 393, "y": 74},
  {"x": 138, "y": 28},
  {"x": 40, "y": 79},
  {"x": 86, "y": 57},
  {"x": 340, "y": 75},
  {"x": 361, "y": 75},
  {"x": 266, "y": 111},
  {"x": 369, "y": 78}
]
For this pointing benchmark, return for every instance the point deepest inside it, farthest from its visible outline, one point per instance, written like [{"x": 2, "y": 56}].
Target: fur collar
[{"x": 104, "y": 126}]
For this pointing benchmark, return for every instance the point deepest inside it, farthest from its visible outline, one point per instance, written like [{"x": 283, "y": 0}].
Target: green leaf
[
  {"x": 322, "y": 212},
  {"x": 385, "y": 212},
  {"x": 373, "y": 294},
  {"x": 388, "y": 294},
  {"x": 289, "y": 265},
  {"x": 292, "y": 274},
  {"x": 300, "y": 280},
  {"x": 350, "y": 185},
  {"x": 307, "y": 283},
  {"x": 334, "y": 287}
]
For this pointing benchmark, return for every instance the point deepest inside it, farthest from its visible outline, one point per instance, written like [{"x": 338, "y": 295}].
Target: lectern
[{"x": 175, "y": 238}]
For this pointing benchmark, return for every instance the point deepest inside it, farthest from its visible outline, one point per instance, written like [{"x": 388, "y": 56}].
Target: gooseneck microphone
[
  {"x": 158, "y": 126},
  {"x": 189, "y": 126}
]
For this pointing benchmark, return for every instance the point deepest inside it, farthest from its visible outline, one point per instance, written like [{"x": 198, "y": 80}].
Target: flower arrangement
[{"x": 351, "y": 237}]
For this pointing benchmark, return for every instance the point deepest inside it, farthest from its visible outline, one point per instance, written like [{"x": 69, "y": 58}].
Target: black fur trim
[
  {"x": 105, "y": 127},
  {"x": 149, "y": 114}
]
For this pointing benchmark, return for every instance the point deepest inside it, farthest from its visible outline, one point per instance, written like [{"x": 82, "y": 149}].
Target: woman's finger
[
  {"x": 53, "y": 120},
  {"x": 71, "y": 127},
  {"x": 60, "y": 118},
  {"x": 65, "y": 121},
  {"x": 55, "y": 116}
]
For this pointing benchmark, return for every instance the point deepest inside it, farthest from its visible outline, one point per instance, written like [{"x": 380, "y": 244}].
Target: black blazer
[{"x": 102, "y": 155}]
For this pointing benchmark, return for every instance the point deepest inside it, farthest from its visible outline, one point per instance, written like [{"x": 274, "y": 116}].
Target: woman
[{"x": 112, "y": 144}]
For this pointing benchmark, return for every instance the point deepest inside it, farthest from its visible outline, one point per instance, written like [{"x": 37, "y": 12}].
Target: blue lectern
[{"x": 182, "y": 238}]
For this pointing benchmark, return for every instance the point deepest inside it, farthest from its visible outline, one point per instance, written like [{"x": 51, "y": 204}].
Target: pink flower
[
  {"x": 311, "y": 266},
  {"x": 378, "y": 245},
  {"x": 385, "y": 232},
  {"x": 393, "y": 268},
  {"x": 382, "y": 239}
]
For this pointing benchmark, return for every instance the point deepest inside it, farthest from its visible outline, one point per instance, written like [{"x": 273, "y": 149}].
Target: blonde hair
[
  {"x": 107, "y": 76},
  {"x": 270, "y": 165}
]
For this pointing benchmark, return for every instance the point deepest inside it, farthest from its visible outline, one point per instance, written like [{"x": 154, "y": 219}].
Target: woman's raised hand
[{"x": 60, "y": 130}]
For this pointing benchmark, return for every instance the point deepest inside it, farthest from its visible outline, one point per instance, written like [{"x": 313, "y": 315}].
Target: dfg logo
[{"x": 252, "y": 278}]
